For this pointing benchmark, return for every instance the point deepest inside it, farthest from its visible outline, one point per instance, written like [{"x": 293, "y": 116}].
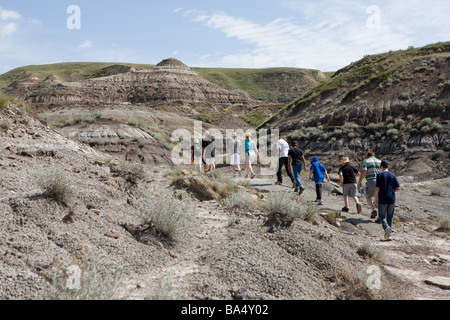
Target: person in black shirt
[
  {"x": 347, "y": 176},
  {"x": 298, "y": 162}
]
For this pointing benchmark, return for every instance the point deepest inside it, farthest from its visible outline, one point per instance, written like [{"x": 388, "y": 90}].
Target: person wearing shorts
[
  {"x": 251, "y": 152},
  {"x": 371, "y": 168},
  {"x": 347, "y": 176},
  {"x": 235, "y": 150}
]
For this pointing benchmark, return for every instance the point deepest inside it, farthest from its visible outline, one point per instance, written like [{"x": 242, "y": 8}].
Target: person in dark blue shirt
[{"x": 385, "y": 199}]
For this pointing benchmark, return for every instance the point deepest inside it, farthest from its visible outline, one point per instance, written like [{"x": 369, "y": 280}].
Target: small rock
[
  {"x": 112, "y": 235},
  {"x": 238, "y": 293},
  {"x": 443, "y": 257},
  {"x": 60, "y": 244},
  {"x": 441, "y": 282}
]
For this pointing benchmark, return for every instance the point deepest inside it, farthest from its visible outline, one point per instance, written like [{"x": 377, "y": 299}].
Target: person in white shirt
[{"x": 283, "y": 152}]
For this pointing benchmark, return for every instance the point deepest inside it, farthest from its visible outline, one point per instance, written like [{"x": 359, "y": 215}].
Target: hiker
[
  {"x": 298, "y": 162},
  {"x": 210, "y": 154},
  {"x": 251, "y": 151},
  {"x": 386, "y": 186},
  {"x": 370, "y": 169},
  {"x": 196, "y": 154},
  {"x": 319, "y": 172},
  {"x": 347, "y": 176},
  {"x": 206, "y": 141},
  {"x": 235, "y": 148},
  {"x": 283, "y": 153}
]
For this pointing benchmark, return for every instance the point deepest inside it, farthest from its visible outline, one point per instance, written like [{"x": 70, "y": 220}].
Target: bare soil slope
[{"x": 221, "y": 253}]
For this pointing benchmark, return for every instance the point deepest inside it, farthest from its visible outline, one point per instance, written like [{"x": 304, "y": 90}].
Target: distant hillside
[
  {"x": 67, "y": 72},
  {"x": 396, "y": 103},
  {"x": 275, "y": 85}
]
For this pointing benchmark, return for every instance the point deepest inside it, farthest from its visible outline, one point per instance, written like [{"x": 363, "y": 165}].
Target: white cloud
[
  {"x": 86, "y": 44},
  {"x": 326, "y": 34},
  {"x": 284, "y": 42},
  {"x": 7, "y": 30},
  {"x": 9, "y": 14}
]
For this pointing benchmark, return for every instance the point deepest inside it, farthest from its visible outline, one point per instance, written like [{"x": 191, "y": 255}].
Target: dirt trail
[{"x": 414, "y": 255}]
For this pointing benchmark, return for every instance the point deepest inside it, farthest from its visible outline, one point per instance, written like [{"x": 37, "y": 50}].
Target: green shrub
[
  {"x": 4, "y": 103},
  {"x": 392, "y": 132},
  {"x": 5, "y": 125},
  {"x": 425, "y": 129},
  {"x": 404, "y": 96}
]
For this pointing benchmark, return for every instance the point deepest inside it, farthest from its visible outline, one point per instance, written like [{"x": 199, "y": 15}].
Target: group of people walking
[{"x": 380, "y": 188}]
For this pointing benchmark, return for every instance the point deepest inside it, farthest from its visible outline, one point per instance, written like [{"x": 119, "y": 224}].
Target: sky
[{"x": 319, "y": 34}]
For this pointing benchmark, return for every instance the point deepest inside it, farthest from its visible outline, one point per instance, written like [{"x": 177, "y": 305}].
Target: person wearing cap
[
  {"x": 251, "y": 151},
  {"x": 386, "y": 187},
  {"x": 371, "y": 168},
  {"x": 235, "y": 149},
  {"x": 347, "y": 176},
  {"x": 298, "y": 162}
]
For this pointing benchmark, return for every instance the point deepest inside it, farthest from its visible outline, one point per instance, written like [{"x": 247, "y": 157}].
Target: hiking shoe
[
  {"x": 378, "y": 221},
  {"x": 345, "y": 209},
  {"x": 358, "y": 208},
  {"x": 301, "y": 191},
  {"x": 278, "y": 183},
  {"x": 387, "y": 233},
  {"x": 374, "y": 214},
  {"x": 253, "y": 176},
  {"x": 294, "y": 184},
  {"x": 296, "y": 190},
  {"x": 320, "y": 202}
]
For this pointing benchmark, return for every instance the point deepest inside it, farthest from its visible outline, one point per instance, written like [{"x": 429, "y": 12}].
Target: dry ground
[{"x": 222, "y": 252}]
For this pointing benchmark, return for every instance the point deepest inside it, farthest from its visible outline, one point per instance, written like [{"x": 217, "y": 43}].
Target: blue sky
[{"x": 321, "y": 34}]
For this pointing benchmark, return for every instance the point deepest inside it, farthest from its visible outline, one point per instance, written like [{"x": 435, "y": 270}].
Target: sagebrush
[{"x": 169, "y": 215}]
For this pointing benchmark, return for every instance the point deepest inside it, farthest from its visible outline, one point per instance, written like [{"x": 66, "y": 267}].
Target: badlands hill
[
  {"x": 396, "y": 103},
  {"x": 131, "y": 110}
]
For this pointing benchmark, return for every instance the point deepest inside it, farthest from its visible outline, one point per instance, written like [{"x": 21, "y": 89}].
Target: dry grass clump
[
  {"x": 369, "y": 251},
  {"x": 93, "y": 279},
  {"x": 56, "y": 184},
  {"x": 285, "y": 207},
  {"x": 240, "y": 200},
  {"x": 169, "y": 291},
  {"x": 132, "y": 172},
  {"x": 444, "y": 225},
  {"x": 169, "y": 216}
]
